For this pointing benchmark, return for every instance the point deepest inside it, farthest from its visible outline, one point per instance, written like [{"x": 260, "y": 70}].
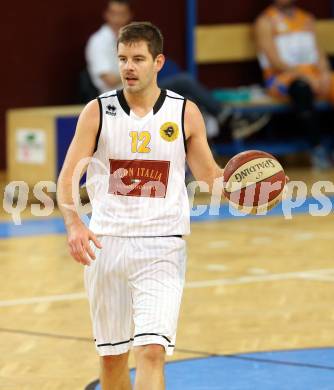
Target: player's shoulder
[
  {"x": 90, "y": 116},
  {"x": 193, "y": 119},
  {"x": 173, "y": 95},
  {"x": 192, "y": 108}
]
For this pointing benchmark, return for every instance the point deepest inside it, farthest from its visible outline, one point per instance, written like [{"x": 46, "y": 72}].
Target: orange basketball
[{"x": 254, "y": 181}]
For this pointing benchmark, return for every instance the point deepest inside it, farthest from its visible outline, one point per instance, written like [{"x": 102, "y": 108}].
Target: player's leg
[
  {"x": 111, "y": 312},
  {"x": 303, "y": 96},
  {"x": 277, "y": 85},
  {"x": 114, "y": 372},
  {"x": 150, "y": 360},
  {"x": 156, "y": 279}
]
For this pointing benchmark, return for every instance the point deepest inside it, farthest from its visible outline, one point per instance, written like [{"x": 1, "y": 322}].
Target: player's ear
[{"x": 159, "y": 60}]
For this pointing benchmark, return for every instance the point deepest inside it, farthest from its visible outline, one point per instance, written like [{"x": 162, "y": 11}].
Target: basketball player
[
  {"x": 295, "y": 66},
  {"x": 133, "y": 251}
]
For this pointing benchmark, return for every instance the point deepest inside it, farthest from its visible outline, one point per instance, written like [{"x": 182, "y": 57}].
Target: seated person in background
[
  {"x": 102, "y": 65},
  {"x": 101, "y": 50},
  {"x": 294, "y": 66}
]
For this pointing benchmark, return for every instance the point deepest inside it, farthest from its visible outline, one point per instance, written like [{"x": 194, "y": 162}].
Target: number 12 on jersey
[{"x": 140, "y": 141}]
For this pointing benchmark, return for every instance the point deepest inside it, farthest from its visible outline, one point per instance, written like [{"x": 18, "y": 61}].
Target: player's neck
[{"x": 142, "y": 102}]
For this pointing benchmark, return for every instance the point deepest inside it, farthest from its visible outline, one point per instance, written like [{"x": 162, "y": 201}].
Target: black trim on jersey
[
  {"x": 100, "y": 124},
  {"x": 106, "y": 97},
  {"x": 174, "y": 97},
  {"x": 126, "y": 108},
  {"x": 152, "y": 334},
  {"x": 114, "y": 344},
  {"x": 183, "y": 130},
  {"x": 160, "y": 101},
  {"x": 122, "y": 101}
]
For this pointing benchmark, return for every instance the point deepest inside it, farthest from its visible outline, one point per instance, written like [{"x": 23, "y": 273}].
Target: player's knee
[
  {"x": 300, "y": 86},
  {"x": 153, "y": 354},
  {"x": 302, "y": 95},
  {"x": 112, "y": 362}
]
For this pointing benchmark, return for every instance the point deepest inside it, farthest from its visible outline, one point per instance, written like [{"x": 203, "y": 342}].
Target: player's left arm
[{"x": 199, "y": 156}]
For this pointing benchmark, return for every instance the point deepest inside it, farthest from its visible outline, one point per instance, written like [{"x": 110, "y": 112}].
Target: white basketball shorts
[{"x": 134, "y": 289}]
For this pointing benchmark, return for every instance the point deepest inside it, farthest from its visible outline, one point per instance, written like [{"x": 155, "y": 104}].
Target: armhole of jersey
[
  {"x": 183, "y": 129},
  {"x": 100, "y": 125}
]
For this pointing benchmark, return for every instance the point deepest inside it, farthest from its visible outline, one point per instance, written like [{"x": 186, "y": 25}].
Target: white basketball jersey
[{"x": 135, "y": 180}]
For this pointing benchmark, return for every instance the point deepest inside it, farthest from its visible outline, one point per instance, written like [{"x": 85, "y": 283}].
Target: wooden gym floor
[{"x": 259, "y": 284}]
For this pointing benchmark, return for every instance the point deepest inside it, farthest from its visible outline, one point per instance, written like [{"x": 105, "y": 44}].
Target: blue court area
[
  {"x": 311, "y": 369},
  {"x": 318, "y": 206},
  {"x": 31, "y": 227}
]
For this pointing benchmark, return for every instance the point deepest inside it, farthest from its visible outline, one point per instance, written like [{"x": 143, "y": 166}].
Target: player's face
[
  {"x": 284, "y": 3},
  {"x": 138, "y": 69},
  {"x": 117, "y": 15}
]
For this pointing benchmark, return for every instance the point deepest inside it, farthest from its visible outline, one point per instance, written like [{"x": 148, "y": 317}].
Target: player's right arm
[
  {"x": 264, "y": 40},
  {"x": 82, "y": 147}
]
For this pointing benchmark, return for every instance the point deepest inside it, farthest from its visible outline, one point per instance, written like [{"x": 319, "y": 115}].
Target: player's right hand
[{"x": 79, "y": 237}]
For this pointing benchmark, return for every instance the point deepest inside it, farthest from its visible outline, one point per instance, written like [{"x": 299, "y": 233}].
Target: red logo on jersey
[{"x": 143, "y": 178}]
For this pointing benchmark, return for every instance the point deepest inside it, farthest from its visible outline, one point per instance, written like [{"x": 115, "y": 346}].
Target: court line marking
[
  {"x": 203, "y": 354},
  {"x": 44, "y": 299},
  {"x": 318, "y": 275},
  {"x": 279, "y": 362},
  {"x": 322, "y": 275},
  {"x": 44, "y": 334},
  {"x": 216, "y": 267}
]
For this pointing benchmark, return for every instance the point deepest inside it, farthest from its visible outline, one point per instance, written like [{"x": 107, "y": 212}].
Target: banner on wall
[{"x": 30, "y": 146}]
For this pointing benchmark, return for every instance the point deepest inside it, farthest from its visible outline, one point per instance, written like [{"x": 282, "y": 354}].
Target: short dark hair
[{"x": 143, "y": 31}]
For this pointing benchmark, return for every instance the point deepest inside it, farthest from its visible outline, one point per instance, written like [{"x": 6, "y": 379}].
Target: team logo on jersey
[
  {"x": 169, "y": 131},
  {"x": 111, "y": 110}
]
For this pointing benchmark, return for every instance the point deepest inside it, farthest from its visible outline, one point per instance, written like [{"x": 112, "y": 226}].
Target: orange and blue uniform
[{"x": 296, "y": 45}]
